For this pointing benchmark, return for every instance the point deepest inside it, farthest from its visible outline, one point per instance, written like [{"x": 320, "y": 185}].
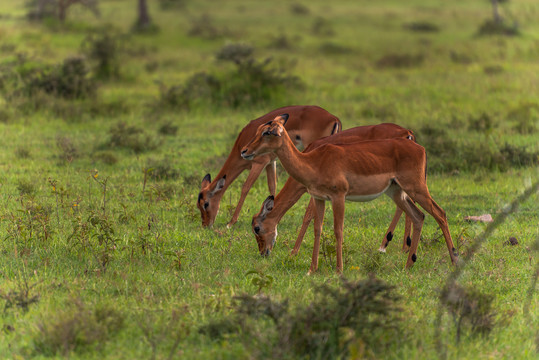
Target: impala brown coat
[{"x": 305, "y": 124}]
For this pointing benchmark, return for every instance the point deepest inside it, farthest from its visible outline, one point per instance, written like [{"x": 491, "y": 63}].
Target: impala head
[
  {"x": 208, "y": 202},
  {"x": 265, "y": 235},
  {"x": 268, "y": 138}
]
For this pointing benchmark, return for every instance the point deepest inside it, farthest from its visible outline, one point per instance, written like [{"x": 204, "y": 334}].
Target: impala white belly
[{"x": 367, "y": 197}]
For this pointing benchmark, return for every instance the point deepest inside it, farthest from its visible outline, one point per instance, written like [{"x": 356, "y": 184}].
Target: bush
[
  {"x": 491, "y": 27},
  {"x": 421, "y": 26},
  {"x": 445, "y": 154},
  {"x": 131, "y": 137},
  {"x": 77, "y": 329},
  {"x": 162, "y": 169},
  {"x": 203, "y": 27},
  {"x": 69, "y": 80},
  {"x": 470, "y": 309},
  {"x": 526, "y": 118},
  {"x": 68, "y": 150},
  {"x": 400, "y": 61},
  {"x": 356, "y": 314},
  {"x": 253, "y": 81},
  {"x": 299, "y": 9},
  {"x": 199, "y": 86},
  {"x": 104, "y": 48},
  {"x": 322, "y": 27}
]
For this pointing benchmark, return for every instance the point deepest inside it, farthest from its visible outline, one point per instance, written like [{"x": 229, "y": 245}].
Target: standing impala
[
  {"x": 305, "y": 124},
  {"x": 360, "y": 171},
  {"x": 265, "y": 223}
]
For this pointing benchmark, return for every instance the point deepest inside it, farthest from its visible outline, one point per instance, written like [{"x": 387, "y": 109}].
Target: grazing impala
[
  {"x": 305, "y": 124},
  {"x": 360, "y": 171},
  {"x": 265, "y": 223}
]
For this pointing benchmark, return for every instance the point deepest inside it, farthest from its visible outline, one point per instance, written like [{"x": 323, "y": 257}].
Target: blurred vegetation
[{"x": 107, "y": 133}]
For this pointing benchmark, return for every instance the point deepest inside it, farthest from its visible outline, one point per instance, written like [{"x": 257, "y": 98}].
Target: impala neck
[
  {"x": 285, "y": 199},
  {"x": 295, "y": 162},
  {"x": 232, "y": 168}
]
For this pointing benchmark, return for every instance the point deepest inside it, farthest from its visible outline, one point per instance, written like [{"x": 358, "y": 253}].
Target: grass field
[{"x": 102, "y": 254}]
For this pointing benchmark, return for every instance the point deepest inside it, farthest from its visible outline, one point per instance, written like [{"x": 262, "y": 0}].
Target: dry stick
[{"x": 453, "y": 276}]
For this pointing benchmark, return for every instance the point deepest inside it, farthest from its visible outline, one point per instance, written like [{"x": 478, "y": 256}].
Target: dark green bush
[
  {"x": 251, "y": 82},
  {"x": 77, "y": 328},
  {"x": 205, "y": 28},
  {"x": 104, "y": 48},
  {"x": 162, "y": 169},
  {"x": 131, "y": 137},
  {"x": 422, "y": 26},
  {"x": 363, "y": 311},
  {"x": 69, "y": 80},
  {"x": 400, "y": 60},
  {"x": 491, "y": 27},
  {"x": 470, "y": 310},
  {"x": 446, "y": 154}
]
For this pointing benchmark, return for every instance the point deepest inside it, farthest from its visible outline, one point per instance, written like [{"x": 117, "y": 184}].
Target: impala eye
[
  {"x": 206, "y": 204},
  {"x": 257, "y": 229}
]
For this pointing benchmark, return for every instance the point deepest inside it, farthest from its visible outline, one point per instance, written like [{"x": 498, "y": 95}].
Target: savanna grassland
[{"x": 108, "y": 131}]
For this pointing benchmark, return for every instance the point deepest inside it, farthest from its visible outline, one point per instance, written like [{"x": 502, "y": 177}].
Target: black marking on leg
[
  {"x": 455, "y": 252},
  {"x": 414, "y": 257},
  {"x": 409, "y": 241},
  {"x": 389, "y": 236}
]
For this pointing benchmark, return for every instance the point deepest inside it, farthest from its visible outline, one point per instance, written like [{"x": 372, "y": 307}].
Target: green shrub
[
  {"x": 421, "y": 26},
  {"x": 69, "y": 80},
  {"x": 362, "y": 312},
  {"x": 400, "y": 60},
  {"x": 104, "y": 48},
  {"x": 131, "y": 137},
  {"x": 77, "y": 328},
  {"x": 491, "y": 27},
  {"x": 470, "y": 309}
]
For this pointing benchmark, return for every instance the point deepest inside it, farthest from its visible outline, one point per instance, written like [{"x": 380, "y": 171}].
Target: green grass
[{"x": 152, "y": 298}]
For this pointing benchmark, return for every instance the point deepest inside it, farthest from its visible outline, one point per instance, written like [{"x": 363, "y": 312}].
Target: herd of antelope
[{"x": 357, "y": 164}]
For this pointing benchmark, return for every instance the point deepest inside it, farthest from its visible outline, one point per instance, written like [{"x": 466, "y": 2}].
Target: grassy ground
[{"x": 135, "y": 275}]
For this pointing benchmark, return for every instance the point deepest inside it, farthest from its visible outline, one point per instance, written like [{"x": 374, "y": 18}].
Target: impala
[
  {"x": 305, "y": 124},
  {"x": 265, "y": 223},
  {"x": 360, "y": 171}
]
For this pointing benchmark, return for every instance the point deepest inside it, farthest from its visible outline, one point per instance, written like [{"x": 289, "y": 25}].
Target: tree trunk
[
  {"x": 495, "y": 12},
  {"x": 144, "y": 20}
]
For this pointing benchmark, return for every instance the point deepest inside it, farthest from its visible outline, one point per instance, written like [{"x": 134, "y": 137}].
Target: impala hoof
[{"x": 382, "y": 249}]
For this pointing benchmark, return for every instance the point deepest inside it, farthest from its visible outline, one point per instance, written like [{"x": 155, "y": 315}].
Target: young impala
[
  {"x": 305, "y": 124},
  {"x": 360, "y": 171},
  {"x": 265, "y": 223}
]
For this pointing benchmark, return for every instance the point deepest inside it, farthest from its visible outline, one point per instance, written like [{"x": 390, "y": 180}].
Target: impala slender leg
[
  {"x": 271, "y": 173},
  {"x": 309, "y": 214},
  {"x": 427, "y": 202},
  {"x": 318, "y": 221},
  {"x": 391, "y": 230},
  {"x": 338, "y": 225},
  {"x": 256, "y": 169},
  {"x": 416, "y": 217},
  {"x": 407, "y": 241}
]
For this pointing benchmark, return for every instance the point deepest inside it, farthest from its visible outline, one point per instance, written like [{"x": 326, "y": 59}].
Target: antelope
[
  {"x": 264, "y": 224},
  {"x": 359, "y": 171},
  {"x": 305, "y": 124}
]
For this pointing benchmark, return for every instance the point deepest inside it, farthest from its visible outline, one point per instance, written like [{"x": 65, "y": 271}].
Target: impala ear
[
  {"x": 206, "y": 181},
  {"x": 220, "y": 185},
  {"x": 285, "y": 118},
  {"x": 267, "y": 206}
]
